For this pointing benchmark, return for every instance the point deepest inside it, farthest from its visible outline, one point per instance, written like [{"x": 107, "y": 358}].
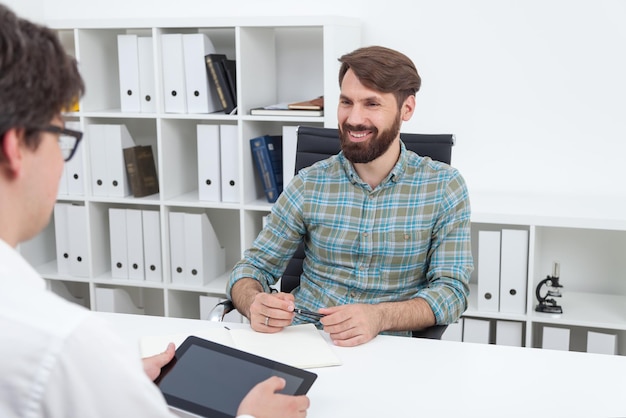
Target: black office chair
[{"x": 315, "y": 144}]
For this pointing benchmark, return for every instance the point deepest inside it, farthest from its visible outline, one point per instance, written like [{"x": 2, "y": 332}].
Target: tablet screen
[{"x": 207, "y": 378}]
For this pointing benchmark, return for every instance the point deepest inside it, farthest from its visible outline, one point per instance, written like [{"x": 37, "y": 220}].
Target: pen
[{"x": 310, "y": 314}]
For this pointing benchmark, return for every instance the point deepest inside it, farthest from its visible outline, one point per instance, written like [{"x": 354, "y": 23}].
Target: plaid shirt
[{"x": 409, "y": 237}]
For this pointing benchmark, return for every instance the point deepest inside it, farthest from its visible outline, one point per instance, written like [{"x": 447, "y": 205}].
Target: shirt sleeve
[
  {"x": 97, "y": 375},
  {"x": 451, "y": 262},
  {"x": 272, "y": 249}
]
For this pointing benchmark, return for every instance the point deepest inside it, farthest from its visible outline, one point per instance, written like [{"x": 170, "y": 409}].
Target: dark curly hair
[
  {"x": 384, "y": 70},
  {"x": 38, "y": 79}
]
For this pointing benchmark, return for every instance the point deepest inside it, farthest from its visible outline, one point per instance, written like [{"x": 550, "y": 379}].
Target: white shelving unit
[
  {"x": 278, "y": 60},
  {"x": 586, "y": 235},
  {"x": 289, "y": 59}
]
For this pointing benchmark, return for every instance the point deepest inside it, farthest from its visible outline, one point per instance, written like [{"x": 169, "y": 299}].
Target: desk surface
[{"x": 402, "y": 377}]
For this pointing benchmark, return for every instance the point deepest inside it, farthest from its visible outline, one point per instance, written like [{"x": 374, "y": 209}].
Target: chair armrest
[
  {"x": 221, "y": 309},
  {"x": 434, "y": 333}
]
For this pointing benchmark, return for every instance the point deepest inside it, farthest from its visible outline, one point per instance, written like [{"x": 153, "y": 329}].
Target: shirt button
[
  {"x": 406, "y": 237},
  {"x": 353, "y": 293},
  {"x": 365, "y": 234}
]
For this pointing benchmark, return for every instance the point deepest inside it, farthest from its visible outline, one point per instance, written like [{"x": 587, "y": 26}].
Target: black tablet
[{"x": 211, "y": 379}]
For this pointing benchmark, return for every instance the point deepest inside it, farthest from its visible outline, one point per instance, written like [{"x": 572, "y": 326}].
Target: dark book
[
  {"x": 141, "y": 170},
  {"x": 267, "y": 151},
  {"x": 217, "y": 74},
  {"x": 230, "y": 67}
]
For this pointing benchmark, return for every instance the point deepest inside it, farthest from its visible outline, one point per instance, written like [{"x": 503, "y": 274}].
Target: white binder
[
  {"x": 290, "y": 144},
  {"x": 205, "y": 259},
  {"x": 117, "y": 138},
  {"x": 177, "y": 247},
  {"x": 62, "y": 238},
  {"x": 513, "y": 271},
  {"x": 128, "y": 61},
  {"x": 229, "y": 154},
  {"x": 75, "y": 170},
  {"x": 134, "y": 240},
  {"x": 147, "y": 84},
  {"x": 105, "y": 299},
  {"x": 509, "y": 333},
  {"x": 201, "y": 95},
  {"x": 476, "y": 330},
  {"x": 96, "y": 137},
  {"x": 119, "y": 244},
  {"x": 173, "y": 66},
  {"x": 555, "y": 338},
  {"x": 115, "y": 300},
  {"x": 488, "y": 270},
  {"x": 207, "y": 303},
  {"x": 79, "y": 256},
  {"x": 209, "y": 164},
  {"x": 454, "y": 332},
  {"x": 601, "y": 343},
  {"x": 71, "y": 182},
  {"x": 152, "y": 245}
]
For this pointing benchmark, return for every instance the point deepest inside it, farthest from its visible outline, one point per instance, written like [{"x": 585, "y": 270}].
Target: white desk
[{"x": 411, "y": 377}]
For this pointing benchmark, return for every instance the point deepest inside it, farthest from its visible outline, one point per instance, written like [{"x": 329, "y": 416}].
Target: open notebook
[{"x": 298, "y": 345}]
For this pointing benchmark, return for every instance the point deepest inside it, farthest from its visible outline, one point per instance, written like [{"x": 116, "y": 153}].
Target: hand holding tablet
[{"x": 210, "y": 379}]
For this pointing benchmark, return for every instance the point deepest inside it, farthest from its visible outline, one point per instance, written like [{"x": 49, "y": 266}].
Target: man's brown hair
[{"x": 382, "y": 69}]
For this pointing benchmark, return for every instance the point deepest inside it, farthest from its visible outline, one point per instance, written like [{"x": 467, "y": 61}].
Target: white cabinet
[
  {"x": 587, "y": 236},
  {"x": 277, "y": 60}
]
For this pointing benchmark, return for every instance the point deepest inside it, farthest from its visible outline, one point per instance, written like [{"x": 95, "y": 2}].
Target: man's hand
[
  {"x": 152, "y": 365},
  {"x": 267, "y": 312},
  {"x": 271, "y": 312},
  {"x": 263, "y": 401},
  {"x": 351, "y": 325}
]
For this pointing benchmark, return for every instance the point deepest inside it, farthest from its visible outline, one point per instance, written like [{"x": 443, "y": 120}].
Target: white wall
[
  {"x": 30, "y": 9},
  {"x": 534, "y": 90}
]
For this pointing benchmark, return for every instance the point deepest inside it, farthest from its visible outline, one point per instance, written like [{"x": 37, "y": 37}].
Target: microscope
[{"x": 546, "y": 303}]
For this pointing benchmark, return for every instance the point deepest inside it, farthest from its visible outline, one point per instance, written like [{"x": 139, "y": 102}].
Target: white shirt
[{"x": 58, "y": 359}]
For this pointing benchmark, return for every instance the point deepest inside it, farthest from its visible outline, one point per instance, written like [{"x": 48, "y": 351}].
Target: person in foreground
[
  {"x": 59, "y": 359},
  {"x": 386, "y": 232}
]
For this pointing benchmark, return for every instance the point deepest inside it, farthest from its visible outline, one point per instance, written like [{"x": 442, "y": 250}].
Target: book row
[
  {"x": 196, "y": 256},
  {"x": 195, "y": 78},
  {"x": 121, "y": 168},
  {"x": 217, "y": 149}
]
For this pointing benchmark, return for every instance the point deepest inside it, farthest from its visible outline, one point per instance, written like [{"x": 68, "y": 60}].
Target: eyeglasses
[{"x": 68, "y": 140}]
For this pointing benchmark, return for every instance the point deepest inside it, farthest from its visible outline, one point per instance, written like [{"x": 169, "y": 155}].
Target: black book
[
  {"x": 141, "y": 170},
  {"x": 230, "y": 66},
  {"x": 217, "y": 74}
]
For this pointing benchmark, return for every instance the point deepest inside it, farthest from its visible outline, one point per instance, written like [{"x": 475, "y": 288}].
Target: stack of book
[{"x": 314, "y": 107}]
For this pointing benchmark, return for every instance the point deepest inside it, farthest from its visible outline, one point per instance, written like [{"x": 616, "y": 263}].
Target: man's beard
[{"x": 377, "y": 145}]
